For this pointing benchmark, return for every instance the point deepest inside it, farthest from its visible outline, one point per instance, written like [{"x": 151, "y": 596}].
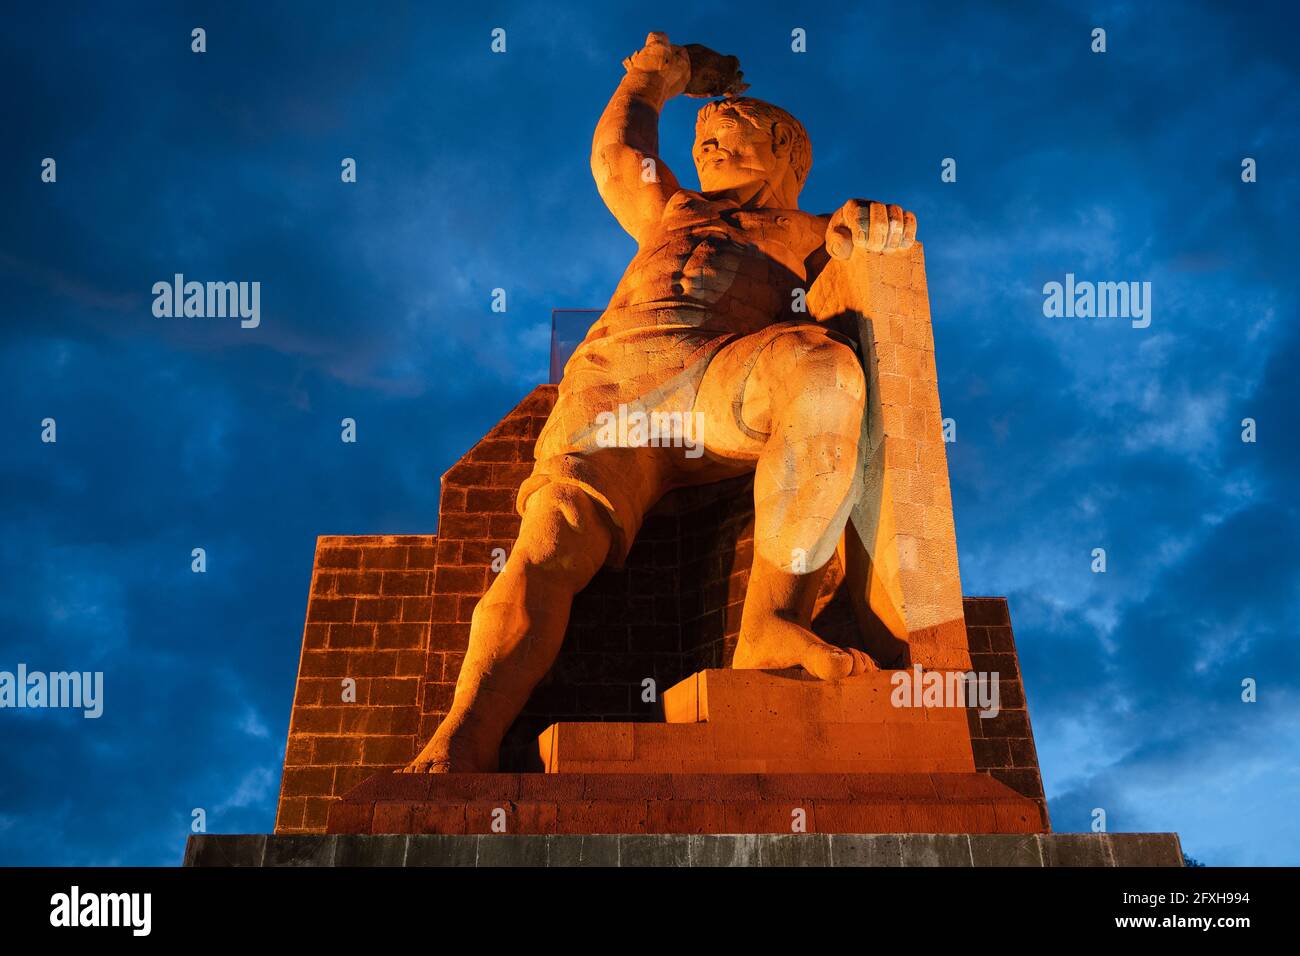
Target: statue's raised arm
[
  {"x": 632, "y": 178},
  {"x": 633, "y": 181}
]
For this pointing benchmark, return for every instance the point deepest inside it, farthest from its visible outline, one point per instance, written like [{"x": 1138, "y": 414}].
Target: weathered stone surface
[
  {"x": 1006, "y": 850},
  {"x": 427, "y": 849},
  {"x": 726, "y": 696},
  {"x": 709, "y": 849},
  {"x": 866, "y": 849},
  {"x": 586, "y": 850},
  {"x": 654, "y": 850},
  {"x": 239, "y": 850},
  {"x": 1145, "y": 849},
  {"x": 1004, "y": 748},
  {"x": 936, "y": 849},
  {"x": 501, "y": 849},
  {"x": 796, "y": 849},
  {"x": 839, "y": 850},
  {"x": 300, "y": 850},
  {"x": 902, "y": 548},
  {"x": 1078, "y": 849},
  {"x": 370, "y": 850},
  {"x": 685, "y": 803},
  {"x": 748, "y": 721}
]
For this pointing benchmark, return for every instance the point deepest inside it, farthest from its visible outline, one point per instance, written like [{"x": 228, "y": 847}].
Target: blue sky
[{"x": 1072, "y": 434}]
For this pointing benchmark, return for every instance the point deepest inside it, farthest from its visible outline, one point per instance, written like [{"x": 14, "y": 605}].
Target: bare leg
[
  {"x": 805, "y": 396},
  {"x": 774, "y": 626},
  {"x": 518, "y": 627}
]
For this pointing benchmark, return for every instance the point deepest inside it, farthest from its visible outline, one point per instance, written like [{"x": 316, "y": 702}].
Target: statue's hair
[{"x": 765, "y": 116}]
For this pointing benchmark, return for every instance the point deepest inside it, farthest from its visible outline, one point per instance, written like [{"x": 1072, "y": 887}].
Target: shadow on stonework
[{"x": 674, "y": 609}]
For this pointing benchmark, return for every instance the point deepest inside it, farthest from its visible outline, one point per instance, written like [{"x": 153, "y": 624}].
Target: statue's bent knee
[
  {"x": 835, "y": 362},
  {"x": 565, "y": 533},
  {"x": 810, "y": 359}
]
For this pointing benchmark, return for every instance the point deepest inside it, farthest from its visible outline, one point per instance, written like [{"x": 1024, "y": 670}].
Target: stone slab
[
  {"x": 667, "y": 803},
  {"x": 713, "y": 850},
  {"x": 781, "y": 696},
  {"x": 757, "y": 747}
]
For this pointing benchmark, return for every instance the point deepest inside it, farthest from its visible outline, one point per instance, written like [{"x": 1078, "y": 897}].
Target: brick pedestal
[
  {"x": 662, "y": 803},
  {"x": 391, "y": 615},
  {"x": 741, "y": 752}
]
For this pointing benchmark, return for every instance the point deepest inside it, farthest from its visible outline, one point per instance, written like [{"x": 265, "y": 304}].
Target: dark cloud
[{"x": 175, "y": 434}]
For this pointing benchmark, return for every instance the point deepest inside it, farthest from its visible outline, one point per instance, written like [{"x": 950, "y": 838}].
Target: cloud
[{"x": 1072, "y": 435}]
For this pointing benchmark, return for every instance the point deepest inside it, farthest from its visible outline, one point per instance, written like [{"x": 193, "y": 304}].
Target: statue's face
[{"x": 731, "y": 152}]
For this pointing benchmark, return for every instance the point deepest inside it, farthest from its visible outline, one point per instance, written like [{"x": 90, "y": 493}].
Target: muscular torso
[{"x": 713, "y": 267}]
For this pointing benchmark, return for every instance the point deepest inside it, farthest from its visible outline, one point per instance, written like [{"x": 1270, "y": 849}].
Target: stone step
[
  {"x": 746, "y": 696},
  {"x": 684, "y": 803},
  {"x": 677, "y": 850},
  {"x": 765, "y": 746}
]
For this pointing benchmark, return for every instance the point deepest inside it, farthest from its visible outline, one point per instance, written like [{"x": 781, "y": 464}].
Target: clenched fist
[
  {"x": 671, "y": 63},
  {"x": 870, "y": 226}
]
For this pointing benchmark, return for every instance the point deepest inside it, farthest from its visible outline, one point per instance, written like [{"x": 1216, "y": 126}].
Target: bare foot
[
  {"x": 447, "y": 754},
  {"x": 778, "y": 643},
  {"x": 423, "y": 764}
]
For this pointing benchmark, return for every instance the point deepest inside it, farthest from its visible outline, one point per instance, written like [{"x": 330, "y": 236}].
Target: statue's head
[{"x": 742, "y": 141}]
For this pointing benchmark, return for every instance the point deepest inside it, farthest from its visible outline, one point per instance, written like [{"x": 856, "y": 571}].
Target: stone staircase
[{"x": 739, "y": 752}]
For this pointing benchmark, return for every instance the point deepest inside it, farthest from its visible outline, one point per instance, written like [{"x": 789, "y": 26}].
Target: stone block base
[
  {"x": 845, "y": 849},
  {"x": 654, "y": 803},
  {"x": 757, "y": 747},
  {"x": 779, "y": 721}
]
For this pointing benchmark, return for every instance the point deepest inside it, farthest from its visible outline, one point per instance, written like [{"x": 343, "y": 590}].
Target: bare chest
[{"x": 696, "y": 229}]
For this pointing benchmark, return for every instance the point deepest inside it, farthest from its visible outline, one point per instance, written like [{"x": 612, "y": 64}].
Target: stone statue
[{"x": 708, "y": 341}]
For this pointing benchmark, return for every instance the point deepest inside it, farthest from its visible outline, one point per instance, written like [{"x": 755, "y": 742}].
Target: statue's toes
[
  {"x": 862, "y": 662},
  {"x": 826, "y": 662},
  {"x": 427, "y": 765}
]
